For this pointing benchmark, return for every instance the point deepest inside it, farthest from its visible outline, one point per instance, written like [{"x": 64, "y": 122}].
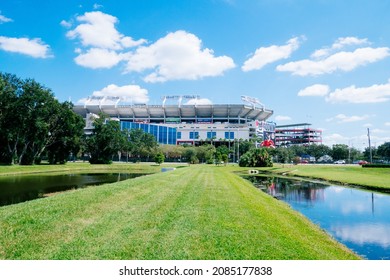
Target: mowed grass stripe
[{"x": 198, "y": 212}]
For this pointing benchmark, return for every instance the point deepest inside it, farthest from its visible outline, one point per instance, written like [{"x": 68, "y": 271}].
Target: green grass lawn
[
  {"x": 375, "y": 178},
  {"x": 197, "y": 212}
]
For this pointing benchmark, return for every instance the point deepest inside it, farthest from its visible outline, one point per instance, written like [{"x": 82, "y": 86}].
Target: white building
[{"x": 191, "y": 124}]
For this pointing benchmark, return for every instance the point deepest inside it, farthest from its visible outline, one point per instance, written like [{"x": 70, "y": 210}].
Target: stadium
[{"x": 191, "y": 123}]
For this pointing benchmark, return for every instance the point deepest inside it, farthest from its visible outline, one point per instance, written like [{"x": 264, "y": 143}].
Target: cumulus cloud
[
  {"x": 352, "y": 94},
  {"x": 315, "y": 90},
  {"x": 67, "y": 24},
  {"x": 339, "y": 44},
  {"x": 98, "y": 58},
  {"x": 334, "y": 138},
  {"x": 4, "y": 19},
  {"x": 344, "y": 61},
  {"x": 326, "y": 60},
  {"x": 179, "y": 55},
  {"x": 112, "y": 93},
  {"x": 281, "y": 118},
  {"x": 98, "y": 30},
  {"x": 267, "y": 55},
  {"x": 31, "y": 47},
  {"x": 341, "y": 118}
]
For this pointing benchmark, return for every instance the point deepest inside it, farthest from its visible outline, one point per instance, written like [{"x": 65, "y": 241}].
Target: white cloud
[
  {"x": 387, "y": 123},
  {"x": 315, "y": 90},
  {"x": 282, "y": 118},
  {"x": 266, "y": 55},
  {"x": 199, "y": 101},
  {"x": 98, "y": 30},
  {"x": 4, "y": 19},
  {"x": 67, "y": 24},
  {"x": 98, "y": 58},
  {"x": 178, "y": 56},
  {"x": 351, "y": 94},
  {"x": 344, "y": 61},
  {"x": 97, "y": 6},
  {"x": 377, "y": 130},
  {"x": 335, "y": 138},
  {"x": 128, "y": 93},
  {"x": 339, "y": 44},
  {"x": 31, "y": 47},
  {"x": 341, "y": 118}
]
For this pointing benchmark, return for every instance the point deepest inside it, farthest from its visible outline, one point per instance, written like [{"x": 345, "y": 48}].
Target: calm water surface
[
  {"x": 358, "y": 218},
  {"x": 16, "y": 189}
]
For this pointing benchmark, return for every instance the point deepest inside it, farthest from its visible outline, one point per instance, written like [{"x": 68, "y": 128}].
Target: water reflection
[
  {"x": 16, "y": 189},
  {"x": 358, "y": 218}
]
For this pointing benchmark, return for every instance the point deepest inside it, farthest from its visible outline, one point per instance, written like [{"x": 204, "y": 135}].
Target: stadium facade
[{"x": 192, "y": 124}]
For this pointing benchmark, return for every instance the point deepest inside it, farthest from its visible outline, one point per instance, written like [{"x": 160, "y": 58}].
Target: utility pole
[{"x": 369, "y": 143}]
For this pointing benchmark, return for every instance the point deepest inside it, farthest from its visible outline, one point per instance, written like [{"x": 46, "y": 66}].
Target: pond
[
  {"x": 20, "y": 188},
  {"x": 358, "y": 218}
]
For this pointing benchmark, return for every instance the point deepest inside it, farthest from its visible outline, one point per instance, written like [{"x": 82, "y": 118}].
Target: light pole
[{"x": 369, "y": 143}]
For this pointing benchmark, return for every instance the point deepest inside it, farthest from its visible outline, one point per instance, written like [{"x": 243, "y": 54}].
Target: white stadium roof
[{"x": 215, "y": 111}]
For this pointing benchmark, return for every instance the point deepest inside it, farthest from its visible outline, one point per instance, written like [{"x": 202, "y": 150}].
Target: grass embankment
[
  {"x": 79, "y": 167},
  {"x": 198, "y": 212},
  {"x": 372, "y": 178}
]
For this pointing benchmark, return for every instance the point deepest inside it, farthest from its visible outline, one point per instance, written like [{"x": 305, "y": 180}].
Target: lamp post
[{"x": 369, "y": 143}]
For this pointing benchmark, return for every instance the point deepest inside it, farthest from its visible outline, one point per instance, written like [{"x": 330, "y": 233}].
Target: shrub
[
  {"x": 376, "y": 165},
  {"x": 256, "y": 158}
]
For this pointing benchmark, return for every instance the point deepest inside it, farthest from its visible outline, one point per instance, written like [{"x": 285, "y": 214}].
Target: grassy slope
[
  {"x": 199, "y": 212},
  {"x": 78, "y": 166},
  {"x": 377, "y": 178}
]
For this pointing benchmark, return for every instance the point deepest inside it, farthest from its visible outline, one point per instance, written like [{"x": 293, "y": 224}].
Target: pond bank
[{"x": 377, "y": 179}]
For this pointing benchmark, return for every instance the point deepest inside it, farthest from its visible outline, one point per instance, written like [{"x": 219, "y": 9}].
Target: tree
[
  {"x": 190, "y": 155},
  {"x": 318, "y": 151},
  {"x": 218, "y": 157},
  {"x": 384, "y": 151},
  {"x": 105, "y": 141},
  {"x": 225, "y": 159},
  {"x": 205, "y": 153},
  {"x": 281, "y": 154},
  {"x": 32, "y": 120},
  {"x": 340, "y": 151},
  {"x": 139, "y": 143},
  {"x": 159, "y": 158},
  {"x": 256, "y": 158}
]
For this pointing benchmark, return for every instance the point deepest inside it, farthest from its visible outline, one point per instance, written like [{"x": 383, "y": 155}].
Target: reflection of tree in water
[{"x": 290, "y": 189}]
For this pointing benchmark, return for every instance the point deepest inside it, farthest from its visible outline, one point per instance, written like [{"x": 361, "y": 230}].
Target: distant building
[
  {"x": 193, "y": 124},
  {"x": 297, "y": 134}
]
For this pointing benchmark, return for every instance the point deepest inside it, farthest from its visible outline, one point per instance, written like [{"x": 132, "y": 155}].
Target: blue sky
[{"x": 322, "y": 62}]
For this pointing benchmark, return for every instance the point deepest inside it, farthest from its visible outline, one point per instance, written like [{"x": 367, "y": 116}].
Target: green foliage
[
  {"x": 139, "y": 143},
  {"x": 384, "y": 151},
  {"x": 225, "y": 158},
  {"x": 218, "y": 158},
  {"x": 159, "y": 158},
  {"x": 105, "y": 141},
  {"x": 33, "y": 123},
  {"x": 256, "y": 158},
  {"x": 376, "y": 165},
  {"x": 205, "y": 153},
  {"x": 339, "y": 151}
]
